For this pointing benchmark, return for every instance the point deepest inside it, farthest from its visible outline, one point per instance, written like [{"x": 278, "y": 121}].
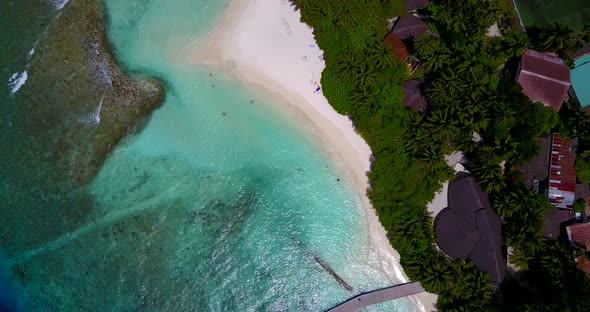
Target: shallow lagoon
[{"x": 219, "y": 204}]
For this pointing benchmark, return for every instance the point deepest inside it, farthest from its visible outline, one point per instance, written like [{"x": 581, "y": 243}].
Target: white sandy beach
[{"x": 263, "y": 43}]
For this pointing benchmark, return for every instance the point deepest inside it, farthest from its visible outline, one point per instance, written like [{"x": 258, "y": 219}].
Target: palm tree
[
  {"x": 551, "y": 261},
  {"x": 480, "y": 120},
  {"x": 506, "y": 204},
  {"x": 344, "y": 15},
  {"x": 363, "y": 96},
  {"x": 415, "y": 139},
  {"x": 316, "y": 15},
  {"x": 502, "y": 112},
  {"x": 557, "y": 37},
  {"x": 493, "y": 183},
  {"x": 432, "y": 157},
  {"x": 302, "y": 4},
  {"x": 441, "y": 124},
  {"x": 425, "y": 47},
  {"x": 454, "y": 84},
  {"x": 489, "y": 175},
  {"x": 526, "y": 218},
  {"x": 459, "y": 23},
  {"x": 438, "y": 61},
  {"x": 576, "y": 119},
  {"x": 365, "y": 74},
  {"x": 415, "y": 120},
  {"x": 580, "y": 38},
  {"x": 437, "y": 93},
  {"x": 437, "y": 275},
  {"x": 585, "y": 154},
  {"x": 346, "y": 67},
  {"x": 380, "y": 55},
  {"x": 521, "y": 257},
  {"x": 474, "y": 283},
  {"x": 514, "y": 44},
  {"x": 487, "y": 155},
  {"x": 477, "y": 81},
  {"x": 414, "y": 223},
  {"x": 506, "y": 148}
]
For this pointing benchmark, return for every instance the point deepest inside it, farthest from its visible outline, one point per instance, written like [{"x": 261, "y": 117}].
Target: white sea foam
[
  {"x": 97, "y": 112},
  {"x": 59, "y": 4},
  {"x": 17, "y": 80},
  {"x": 93, "y": 118},
  {"x": 104, "y": 76}
]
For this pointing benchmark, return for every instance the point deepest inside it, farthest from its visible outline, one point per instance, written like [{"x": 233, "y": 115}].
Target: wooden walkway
[{"x": 378, "y": 296}]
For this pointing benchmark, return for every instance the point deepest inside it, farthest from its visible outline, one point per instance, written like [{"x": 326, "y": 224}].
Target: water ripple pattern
[{"x": 219, "y": 204}]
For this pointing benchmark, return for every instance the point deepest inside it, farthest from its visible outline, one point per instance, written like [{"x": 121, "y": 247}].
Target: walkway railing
[{"x": 378, "y": 296}]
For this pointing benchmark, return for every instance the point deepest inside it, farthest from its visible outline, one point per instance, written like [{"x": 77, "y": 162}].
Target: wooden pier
[
  {"x": 336, "y": 276},
  {"x": 378, "y": 296}
]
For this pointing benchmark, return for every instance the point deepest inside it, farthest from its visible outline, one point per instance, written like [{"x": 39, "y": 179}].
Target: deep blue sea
[{"x": 218, "y": 204}]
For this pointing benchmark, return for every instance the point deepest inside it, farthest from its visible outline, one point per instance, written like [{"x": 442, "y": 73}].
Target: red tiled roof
[
  {"x": 580, "y": 234},
  {"x": 412, "y": 5},
  {"x": 544, "y": 78},
  {"x": 409, "y": 27},
  {"x": 562, "y": 176},
  {"x": 397, "y": 46}
]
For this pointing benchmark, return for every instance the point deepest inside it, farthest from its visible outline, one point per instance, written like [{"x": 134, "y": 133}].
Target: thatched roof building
[
  {"x": 469, "y": 229},
  {"x": 409, "y": 27},
  {"x": 413, "y": 5},
  {"x": 414, "y": 95}
]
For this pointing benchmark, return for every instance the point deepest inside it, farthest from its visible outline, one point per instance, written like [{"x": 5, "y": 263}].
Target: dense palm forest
[{"x": 470, "y": 93}]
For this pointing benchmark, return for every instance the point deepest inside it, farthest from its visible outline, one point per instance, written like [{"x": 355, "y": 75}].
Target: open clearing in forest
[{"x": 572, "y": 13}]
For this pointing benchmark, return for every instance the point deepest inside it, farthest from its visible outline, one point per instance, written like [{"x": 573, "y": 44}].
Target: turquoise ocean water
[{"x": 219, "y": 204}]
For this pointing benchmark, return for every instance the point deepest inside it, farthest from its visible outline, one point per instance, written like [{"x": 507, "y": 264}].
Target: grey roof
[
  {"x": 414, "y": 94},
  {"x": 412, "y": 5},
  {"x": 582, "y": 191},
  {"x": 551, "y": 229},
  {"x": 470, "y": 229},
  {"x": 458, "y": 240},
  {"x": 538, "y": 167},
  {"x": 409, "y": 27}
]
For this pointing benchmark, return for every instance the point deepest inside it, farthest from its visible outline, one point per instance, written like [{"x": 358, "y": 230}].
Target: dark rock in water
[{"x": 76, "y": 105}]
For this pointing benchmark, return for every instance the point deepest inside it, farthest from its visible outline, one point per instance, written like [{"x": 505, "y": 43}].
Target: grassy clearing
[{"x": 572, "y": 13}]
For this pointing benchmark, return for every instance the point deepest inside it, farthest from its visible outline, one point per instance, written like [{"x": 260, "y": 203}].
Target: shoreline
[{"x": 257, "y": 42}]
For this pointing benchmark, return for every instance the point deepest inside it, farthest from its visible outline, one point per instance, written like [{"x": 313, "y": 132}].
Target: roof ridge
[{"x": 545, "y": 77}]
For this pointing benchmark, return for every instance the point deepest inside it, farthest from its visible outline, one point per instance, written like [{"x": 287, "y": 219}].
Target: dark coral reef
[{"x": 76, "y": 105}]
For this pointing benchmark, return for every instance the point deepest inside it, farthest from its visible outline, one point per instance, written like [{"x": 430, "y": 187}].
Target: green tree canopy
[{"x": 582, "y": 167}]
